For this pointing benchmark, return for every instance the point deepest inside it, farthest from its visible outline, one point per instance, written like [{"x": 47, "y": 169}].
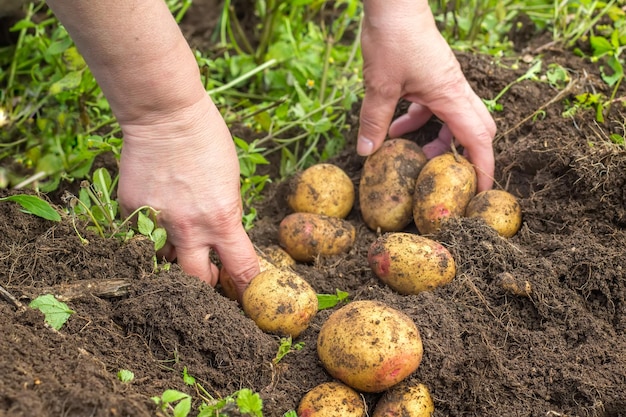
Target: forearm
[
  {"x": 381, "y": 14},
  {"x": 137, "y": 54}
]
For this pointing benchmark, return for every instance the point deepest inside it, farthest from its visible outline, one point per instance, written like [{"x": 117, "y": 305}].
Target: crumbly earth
[{"x": 558, "y": 351}]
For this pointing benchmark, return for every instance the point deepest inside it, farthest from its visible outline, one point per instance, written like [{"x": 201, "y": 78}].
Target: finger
[
  {"x": 239, "y": 259},
  {"x": 440, "y": 145},
  {"x": 376, "y": 113},
  {"x": 196, "y": 262},
  {"x": 167, "y": 252},
  {"x": 415, "y": 117}
]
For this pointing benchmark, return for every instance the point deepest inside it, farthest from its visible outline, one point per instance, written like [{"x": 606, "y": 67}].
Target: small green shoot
[
  {"x": 531, "y": 74},
  {"x": 174, "y": 403},
  {"x": 325, "y": 301},
  {"x": 125, "y": 376},
  {"x": 286, "y": 346},
  {"x": 55, "y": 312},
  {"x": 247, "y": 401},
  {"x": 290, "y": 413},
  {"x": 188, "y": 379},
  {"x": 35, "y": 205},
  {"x": 148, "y": 228}
]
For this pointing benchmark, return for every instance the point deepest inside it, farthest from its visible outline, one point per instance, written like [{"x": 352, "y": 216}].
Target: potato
[
  {"x": 409, "y": 263},
  {"x": 369, "y": 345},
  {"x": 280, "y": 302},
  {"x": 388, "y": 183},
  {"x": 499, "y": 209},
  {"x": 322, "y": 189},
  {"x": 278, "y": 257},
  {"x": 406, "y": 400},
  {"x": 307, "y": 235},
  {"x": 331, "y": 399},
  {"x": 228, "y": 285},
  {"x": 443, "y": 189}
]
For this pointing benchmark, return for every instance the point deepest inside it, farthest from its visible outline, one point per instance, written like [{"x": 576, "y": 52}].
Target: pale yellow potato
[
  {"x": 388, "y": 183},
  {"x": 280, "y": 302},
  {"x": 443, "y": 190},
  {"x": 406, "y": 400},
  {"x": 331, "y": 399},
  {"x": 369, "y": 345},
  {"x": 278, "y": 257},
  {"x": 228, "y": 285},
  {"x": 410, "y": 263},
  {"x": 499, "y": 209},
  {"x": 322, "y": 189},
  {"x": 307, "y": 235}
]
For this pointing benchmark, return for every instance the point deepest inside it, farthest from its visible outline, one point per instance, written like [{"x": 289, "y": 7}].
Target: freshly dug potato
[
  {"x": 307, "y": 235},
  {"x": 369, "y": 345},
  {"x": 388, "y": 183},
  {"x": 409, "y": 263},
  {"x": 331, "y": 399},
  {"x": 322, "y": 189},
  {"x": 443, "y": 189},
  {"x": 228, "y": 285},
  {"x": 280, "y": 302},
  {"x": 278, "y": 257},
  {"x": 499, "y": 209},
  {"x": 406, "y": 400}
]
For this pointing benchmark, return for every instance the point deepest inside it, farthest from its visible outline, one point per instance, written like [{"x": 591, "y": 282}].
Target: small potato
[
  {"x": 409, "y": 263},
  {"x": 306, "y": 235},
  {"x": 280, "y": 302},
  {"x": 278, "y": 257},
  {"x": 388, "y": 183},
  {"x": 331, "y": 399},
  {"x": 322, "y": 189},
  {"x": 228, "y": 285},
  {"x": 443, "y": 189},
  {"x": 499, "y": 209},
  {"x": 369, "y": 345},
  {"x": 406, "y": 400}
]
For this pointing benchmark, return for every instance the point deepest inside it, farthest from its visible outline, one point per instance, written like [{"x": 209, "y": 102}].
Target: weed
[
  {"x": 56, "y": 313},
  {"x": 125, "y": 376},
  {"x": 286, "y": 346},
  {"x": 35, "y": 205},
  {"x": 325, "y": 301},
  {"x": 531, "y": 74}
]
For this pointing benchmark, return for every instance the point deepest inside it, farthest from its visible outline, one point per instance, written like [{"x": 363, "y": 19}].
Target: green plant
[
  {"x": 286, "y": 346},
  {"x": 325, "y": 301},
  {"x": 530, "y": 74},
  {"x": 124, "y": 375},
  {"x": 35, "y": 205},
  {"x": 56, "y": 313}
]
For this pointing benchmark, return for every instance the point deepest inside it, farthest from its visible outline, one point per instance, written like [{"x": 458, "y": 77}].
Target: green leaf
[
  {"x": 144, "y": 224},
  {"x": 250, "y": 402},
  {"x": 159, "y": 237},
  {"x": 125, "y": 375},
  {"x": 600, "y": 45},
  {"x": 172, "y": 395},
  {"x": 290, "y": 413},
  {"x": 70, "y": 81},
  {"x": 35, "y": 205},
  {"x": 56, "y": 313},
  {"x": 188, "y": 379},
  {"x": 183, "y": 408},
  {"x": 325, "y": 301}
]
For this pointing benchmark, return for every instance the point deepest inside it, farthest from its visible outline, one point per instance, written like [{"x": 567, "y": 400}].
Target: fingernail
[{"x": 364, "y": 146}]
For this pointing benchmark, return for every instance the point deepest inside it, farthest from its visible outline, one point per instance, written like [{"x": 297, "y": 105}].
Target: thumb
[
  {"x": 239, "y": 259},
  {"x": 376, "y": 114}
]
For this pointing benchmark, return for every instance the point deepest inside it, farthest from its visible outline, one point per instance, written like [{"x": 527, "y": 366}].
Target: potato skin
[
  {"x": 307, "y": 235},
  {"x": 280, "y": 302},
  {"x": 443, "y": 189},
  {"x": 278, "y": 257},
  {"x": 406, "y": 400},
  {"x": 388, "y": 183},
  {"x": 499, "y": 209},
  {"x": 410, "y": 263},
  {"x": 369, "y": 345},
  {"x": 322, "y": 189},
  {"x": 331, "y": 399}
]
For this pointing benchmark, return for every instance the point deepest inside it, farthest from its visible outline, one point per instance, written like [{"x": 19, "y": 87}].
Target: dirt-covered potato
[
  {"x": 369, "y": 345},
  {"x": 278, "y": 257},
  {"x": 388, "y": 183},
  {"x": 499, "y": 209},
  {"x": 322, "y": 189},
  {"x": 406, "y": 400},
  {"x": 410, "y": 263},
  {"x": 280, "y": 302},
  {"x": 307, "y": 235},
  {"x": 227, "y": 284},
  {"x": 443, "y": 189},
  {"x": 331, "y": 399}
]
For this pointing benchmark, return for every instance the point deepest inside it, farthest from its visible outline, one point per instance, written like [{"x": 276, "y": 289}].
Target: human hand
[
  {"x": 186, "y": 167},
  {"x": 405, "y": 56}
]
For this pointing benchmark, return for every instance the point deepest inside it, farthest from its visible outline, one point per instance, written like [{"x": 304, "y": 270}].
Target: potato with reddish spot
[
  {"x": 369, "y": 345},
  {"x": 443, "y": 190},
  {"x": 405, "y": 400},
  {"x": 322, "y": 189},
  {"x": 410, "y": 263},
  {"x": 388, "y": 183},
  {"x": 331, "y": 399},
  {"x": 280, "y": 302},
  {"x": 499, "y": 209},
  {"x": 307, "y": 235}
]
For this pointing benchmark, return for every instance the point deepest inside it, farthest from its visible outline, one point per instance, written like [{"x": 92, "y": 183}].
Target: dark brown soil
[{"x": 561, "y": 351}]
